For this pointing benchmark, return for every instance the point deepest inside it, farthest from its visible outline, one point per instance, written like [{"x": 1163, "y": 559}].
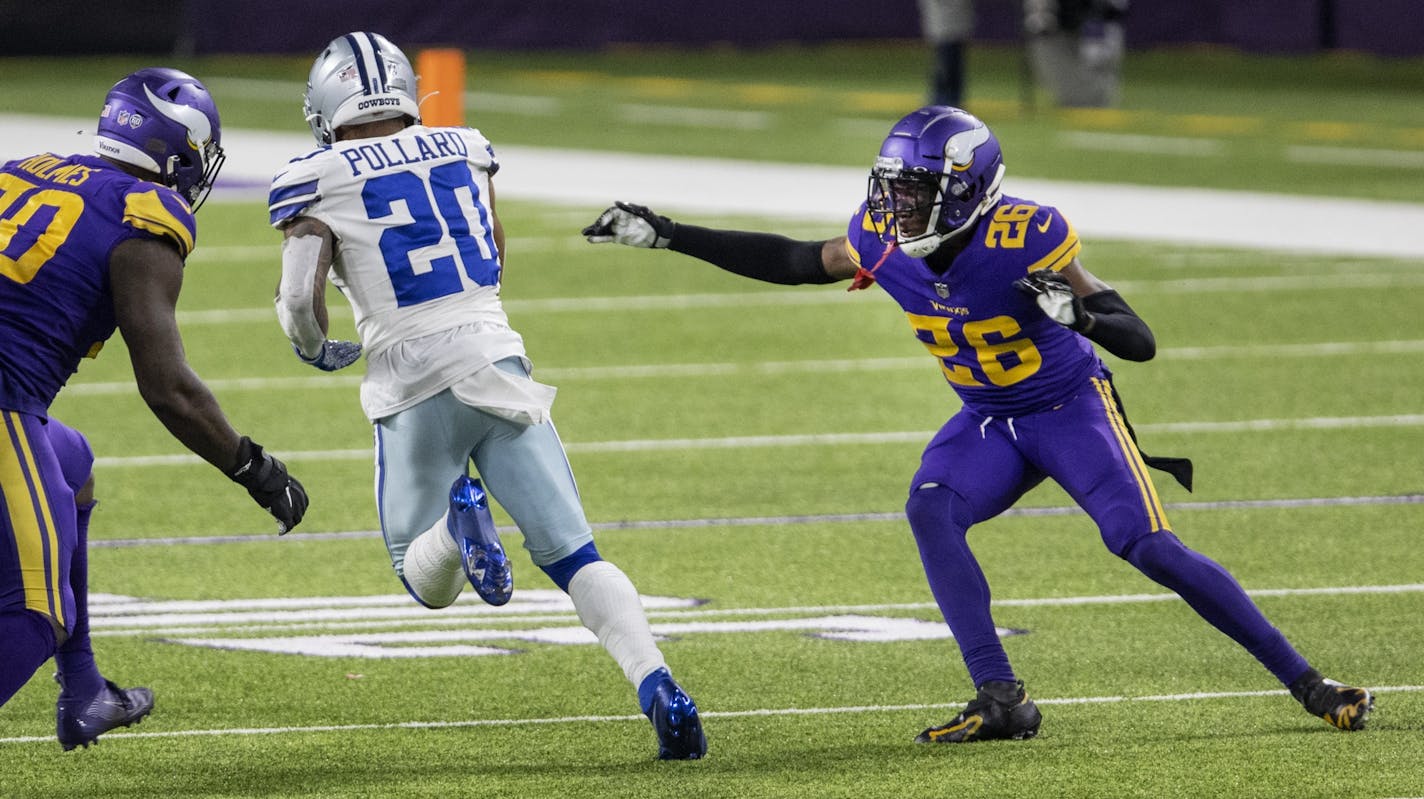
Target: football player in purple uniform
[
  {"x": 993, "y": 287},
  {"x": 90, "y": 244}
]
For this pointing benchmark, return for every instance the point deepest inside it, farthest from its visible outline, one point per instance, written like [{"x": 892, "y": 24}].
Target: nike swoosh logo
[{"x": 1043, "y": 228}]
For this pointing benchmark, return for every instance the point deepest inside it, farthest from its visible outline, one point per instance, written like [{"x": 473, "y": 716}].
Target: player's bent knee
[
  {"x": 1152, "y": 552},
  {"x": 932, "y": 507}
]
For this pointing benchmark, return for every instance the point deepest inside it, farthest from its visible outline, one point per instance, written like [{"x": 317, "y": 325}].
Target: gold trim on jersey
[
  {"x": 851, "y": 250},
  {"x": 31, "y": 522},
  {"x": 1060, "y": 256},
  {"x": 1156, "y": 514},
  {"x": 145, "y": 211}
]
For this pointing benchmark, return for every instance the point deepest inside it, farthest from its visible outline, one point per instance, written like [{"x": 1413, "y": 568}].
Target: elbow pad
[{"x": 295, "y": 313}]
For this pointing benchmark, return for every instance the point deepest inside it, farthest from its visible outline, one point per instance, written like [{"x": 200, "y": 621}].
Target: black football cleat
[
  {"x": 81, "y": 722},
  {"x": 1001, "y": 711},
  {"x": 1340, "y": 705}
]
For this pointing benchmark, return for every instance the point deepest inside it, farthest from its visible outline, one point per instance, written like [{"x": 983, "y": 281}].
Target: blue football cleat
[
  {"x": 481, "y": 554},
  {"x": 674, "y": 717},
  {"x": 81, "y": 722}
]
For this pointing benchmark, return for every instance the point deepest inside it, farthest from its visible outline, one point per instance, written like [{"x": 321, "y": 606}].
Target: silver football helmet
[{"x": 360, "y": 77}]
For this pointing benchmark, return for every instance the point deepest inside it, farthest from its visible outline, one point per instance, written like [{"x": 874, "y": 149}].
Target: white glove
[
  {"x": 1055, "y": 297},
  {"x": 633, "y": 225},
  {"x": 334, "y": 355}
]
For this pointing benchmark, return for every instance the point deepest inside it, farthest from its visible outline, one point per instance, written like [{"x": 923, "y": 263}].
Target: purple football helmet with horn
[
  {"x": 938, "y": 171},
  {"x": 164, "y": 121}
]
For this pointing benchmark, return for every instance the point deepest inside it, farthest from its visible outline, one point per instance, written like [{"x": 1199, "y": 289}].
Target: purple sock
[
  {"x": 29, "y": 642},
  {"x": 1215, "y": 595},
  {"x": 80, "y": 676},
  {"x": 958, "y": 584}
]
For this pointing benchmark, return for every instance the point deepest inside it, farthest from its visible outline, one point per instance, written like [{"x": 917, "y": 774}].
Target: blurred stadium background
[
  {"x": 207, "y": 27},
  {"x": 1258, "y": 194}
]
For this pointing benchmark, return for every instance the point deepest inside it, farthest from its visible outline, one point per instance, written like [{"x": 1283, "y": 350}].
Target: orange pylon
[{"x": 442, "y": 86}]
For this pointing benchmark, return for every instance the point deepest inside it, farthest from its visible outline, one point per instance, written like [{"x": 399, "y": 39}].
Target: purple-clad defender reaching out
[
  {"x": 992, "y": 286},
  {"x": 90, "y": 244}
]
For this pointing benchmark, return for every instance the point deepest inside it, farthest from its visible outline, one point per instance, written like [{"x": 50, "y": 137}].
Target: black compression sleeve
[
  {"x": 762, "y": 256},
  {"x": 1113, "y": 324}
]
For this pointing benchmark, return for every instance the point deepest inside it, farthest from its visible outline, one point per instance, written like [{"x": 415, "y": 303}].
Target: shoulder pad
[
  {"x": 293, "y": 190},
  {"x": 161, "y": 213}
]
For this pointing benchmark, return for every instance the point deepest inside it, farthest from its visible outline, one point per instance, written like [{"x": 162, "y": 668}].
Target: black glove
[
  {"x": 1055, "y": 296},
  {"x": 267, "y": 481},
  {"x": 633, "y": 225}
]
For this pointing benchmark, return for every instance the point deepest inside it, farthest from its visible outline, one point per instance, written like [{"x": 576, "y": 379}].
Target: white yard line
[
  {"x": 345, "y": 382},
  {"x": 821, "y": 439},
  {"x": 865, "y": 517},
  {"x": 1138, "y": 143},
  {"x": 1391, "y": 159},
  {"x": 136, "y": 617},
  {"x": 237, "y": 732}
]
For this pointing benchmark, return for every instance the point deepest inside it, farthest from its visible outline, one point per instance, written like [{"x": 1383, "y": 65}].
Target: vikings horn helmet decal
[
  {"x": 166, "y": 122},
  {"x": 938, "y": 171}
]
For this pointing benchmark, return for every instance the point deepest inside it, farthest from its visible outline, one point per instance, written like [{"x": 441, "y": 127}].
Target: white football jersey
[{"x": 415, "y": 254}]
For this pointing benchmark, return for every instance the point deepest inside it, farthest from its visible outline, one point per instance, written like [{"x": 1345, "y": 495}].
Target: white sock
[
  {"x": 608, "y": 604},
  {"x": 432, "y": 567}
]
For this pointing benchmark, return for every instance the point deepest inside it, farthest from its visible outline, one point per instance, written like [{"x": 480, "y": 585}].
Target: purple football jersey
[
  {"x": 1000, "y": 353},
  {"x": 60, "y": 218}
]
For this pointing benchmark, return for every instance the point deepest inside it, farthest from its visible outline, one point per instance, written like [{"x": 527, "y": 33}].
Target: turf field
[{"x": 744, "y": 453}]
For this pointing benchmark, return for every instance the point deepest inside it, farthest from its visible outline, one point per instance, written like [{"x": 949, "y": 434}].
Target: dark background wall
[{"x": 71, "y": 27}]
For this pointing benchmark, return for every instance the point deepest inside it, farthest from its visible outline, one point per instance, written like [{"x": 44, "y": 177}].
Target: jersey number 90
[{"x": 456, "y": 210}]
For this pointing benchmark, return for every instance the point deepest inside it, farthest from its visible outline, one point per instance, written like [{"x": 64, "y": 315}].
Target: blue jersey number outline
[{"x": 428, "y": 226}]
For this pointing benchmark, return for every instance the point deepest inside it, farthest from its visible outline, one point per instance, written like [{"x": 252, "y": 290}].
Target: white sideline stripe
[
  {"x": 709, "y": 714},
  {"x": 342, "y": 381},
  {"x": 822, "y": 439},
  {"x": 589, "y": 178}
]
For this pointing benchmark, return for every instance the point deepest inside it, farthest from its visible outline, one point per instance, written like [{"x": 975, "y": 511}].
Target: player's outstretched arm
[
  {"x": 146, "y": 276},
  {"x": 760, "y": 256}
]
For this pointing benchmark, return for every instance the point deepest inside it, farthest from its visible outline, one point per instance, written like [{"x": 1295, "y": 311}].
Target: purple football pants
[
  {"x": 977, "y": 467},
  {"x": 43, "y": 563}
]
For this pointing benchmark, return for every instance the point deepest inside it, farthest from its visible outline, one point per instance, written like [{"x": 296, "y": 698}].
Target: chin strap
[{"x": 865, "y": 278}]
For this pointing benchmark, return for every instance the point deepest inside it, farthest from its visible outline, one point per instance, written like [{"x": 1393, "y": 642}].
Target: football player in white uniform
[{"x": 401, "y": 218}]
